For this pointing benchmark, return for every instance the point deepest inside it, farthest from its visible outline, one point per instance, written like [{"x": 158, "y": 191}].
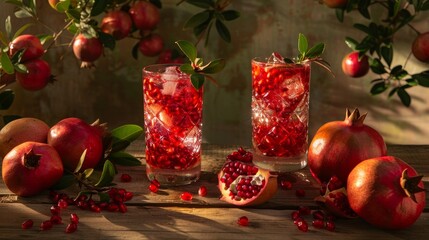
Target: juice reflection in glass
[
  {"x": 173, "y": 122},
  {"x": 280, "y": 104}
]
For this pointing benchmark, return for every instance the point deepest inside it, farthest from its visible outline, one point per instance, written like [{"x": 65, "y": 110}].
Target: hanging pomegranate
[{"x": 339, "y": 146}]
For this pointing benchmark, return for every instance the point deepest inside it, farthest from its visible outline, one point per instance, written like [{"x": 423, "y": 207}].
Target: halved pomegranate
[{"x": 243, "y": 184}]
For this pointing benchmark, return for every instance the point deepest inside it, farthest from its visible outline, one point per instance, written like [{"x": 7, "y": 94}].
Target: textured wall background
[{"x": 112, "y": 91}]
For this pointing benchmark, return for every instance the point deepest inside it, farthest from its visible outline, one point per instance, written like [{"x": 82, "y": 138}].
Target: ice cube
[
  {"x": 275, "y": 58},
  {"x": 294, "y": 87},
  {"x": 169, "y": 77}
]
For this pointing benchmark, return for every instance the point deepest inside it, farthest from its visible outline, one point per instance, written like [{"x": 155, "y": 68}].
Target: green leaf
[
  {"x": 202, "y": 3},
  {"x": 44, "y": 38},
  {"x": 339, "y": 13},
  {"x": 104, "y": 197},
  {"x": 119, "y": 145},
  {"x": 66, "y": 181},
  {"x": 188, "y": 49},
  {"x": 351, "y": 43},
  {"x": 387, "y": 54},
  {"x": 88, "y": 172},
  {"x": 9, "y": 118},
  {"x": 223, "y": 31},
  {"x": 377, "y": 67},
  {"x": 393, "y": 91},
  {"x": 124, "y": 159},
  {"x": 363, "y": 8},
  {"x": 425, "y": 6},
  {"x": 197, "y": 19},
  {"x": 6, "y": 99},
  {"x": 378, "y": 88},
  {"x": 8, "y": 27},
  {"x": 127, "y": 132},
  {"x": 214, "y": 66},
  {"x": 404, "y": 96},
  {"x": 23, "y": 14},
  {"x": 6, "y": 63},
  {"x": 197, "y": 80},
  {"x": 62, "y": 6},
  {"x": 422, "y": 79},
  {"x": 107, "y": 40},
  {"x": 412, "y": 82},
  {"x": 302, "y": 44},
  {"x": 362, "y": 27},
  {"x": 107, "y": 175},
  {"x": 187, "y": 68},
  {"x": 316, "y": 50},
  {"x": 230, "y": 15},
  {"x": 98, "y": 7},
  {"x": 80, "y": 163}
]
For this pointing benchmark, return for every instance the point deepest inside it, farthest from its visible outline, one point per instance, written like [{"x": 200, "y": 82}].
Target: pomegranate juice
[
  {"x": 280, "y": 97},
  {"x": 173, "y": 121}
]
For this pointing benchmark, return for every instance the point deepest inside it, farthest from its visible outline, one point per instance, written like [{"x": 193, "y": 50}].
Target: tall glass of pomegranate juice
[
  {"x": 280, "y": 97},
  {"x": 173, "y": 122}
]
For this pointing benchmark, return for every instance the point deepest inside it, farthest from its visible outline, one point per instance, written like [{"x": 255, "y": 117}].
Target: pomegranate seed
[
  {"x": 113, "y": 207},
  {"x": 62, "y": 203},
  {"x": 302, "y": 225},
  {"x": 299, "y": 219},
  {"x": 56, "y": 219},
  {"x": 128, "y": 196},
  {"x": 330, "y": 225},
  {"x": 318, "y": 223},
  {"x": 186, "y": 196},
  {"x": 74, "y": 218},
  {"x": 103, "y": 205},
  {"x": 46, "y": 225},
  {"x": 295, "y": 215},
  {"x": 71, "y": 227},
  {"x": 82, "y": 205},
  {"x": 300, "y": 193},
  {"x": 334, "y": 183},
  {"x": 304, "y": 210},
  {"x": 284, "y": 184},
  {"x": 243, "y": 221},
  {"x": 153, "y": 188},
  {"x": 55, "y": 210},
  {"x": 318, "y": 215},
  {"x": 95, "y": 208},
  {"x": 27, "y": 224},
  {"x": 125, "y": 177},
  {"x": 202, "y": 191},
  {"x": 122, "y": 208},
  {"x": 156, "y": 183}
]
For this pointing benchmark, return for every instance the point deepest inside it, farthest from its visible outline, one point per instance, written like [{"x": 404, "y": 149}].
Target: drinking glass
[
  {"x": 280, "y": 97},
  {"x": 173, "y": 122}
]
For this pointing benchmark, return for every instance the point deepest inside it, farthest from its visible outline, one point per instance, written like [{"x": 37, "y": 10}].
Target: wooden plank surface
[{"x": 165, "y": 216}]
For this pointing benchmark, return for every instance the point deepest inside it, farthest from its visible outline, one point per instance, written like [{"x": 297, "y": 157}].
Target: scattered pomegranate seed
[
  {"x": 299, "y": 219},
  {"x": 27, "y": 224},
  {"x": 156, "y": 183},
  {"x": 55, "y": 210},
  {"x": 300, "y": 193},
  {"x": 56, "y": 219},
  {"x": 318, "y": 223},
  {"x": 103, "y": 205},
  {"x": 82, "y": 205},
  {"x": 202, "y": 191},
  {"x": 74, "y": 218},
  {"x": 295, "y": 215},
  {"x": 304, "y": 210},
  {"x": 186, "y": 196},
  {"x": 318, "y": 215},
  {"x": 95, "y": 208},
  {"x": 284, "y": 184},
  {"x": 125, "y": 177},
  {"x": 153, "y": 188},
  {"x": 243, "y": 221},
  {"x": 330, "y": 225},
  {"x": 302, "y": 225},
  {"x": 71, "y": 227},
  {"x": 62, "y": 203},
  {"x": 122, "y": 208},
  {"x": 128, "y": 196},
  {"x": 46, "y": 225},
  {"x": 113, "y": 207}
]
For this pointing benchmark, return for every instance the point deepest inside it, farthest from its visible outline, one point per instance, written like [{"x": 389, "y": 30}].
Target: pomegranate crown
[
  {"x": 354, "y": 118},
  {"x": 410, "y": 184}
]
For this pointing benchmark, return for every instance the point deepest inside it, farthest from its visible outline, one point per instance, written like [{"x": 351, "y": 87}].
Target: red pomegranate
[
  {"x": 355, "y": 67},
  {"x": 338, "y": 146},
  {"x": 71, "y": 137},
  {"x": 32, "y": 45},
  {"x": 243, "y": 184},
  {"x": 30, "y": 168},
  {"x": 151, "y": 45},
  {"x": 144, "y": 14},
  {"x": 87, "y": 50},
  {"x": 37, "y": 77},
  {"x": 420, "y": 47},
  {"x": 386, "y": 192},
  {"x": 117, "y": 23}
]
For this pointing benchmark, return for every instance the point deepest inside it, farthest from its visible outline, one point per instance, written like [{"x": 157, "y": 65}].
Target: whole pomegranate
[
  {"x": 420, "y": 47},
  {"x": 22, "y": 130},
  {"x": 117, "y": 23},
  {"x": 151, "y": 45},
  {"x": 386, "y": 192},
  {"x": 355, "y": 67},
  {"x": 87, "y": 49},
  {"x": 243, "y": 184},
  {"x": 32, "y": 45},
  {"x": 144, "y": 14},
  {"x": 38, "y": 75},
  {"x": 338, "y": 146},
  {"x": 71, "y": 137},
  {"x": 335, "y": 3},
  {"x": 30, "y": 168}
]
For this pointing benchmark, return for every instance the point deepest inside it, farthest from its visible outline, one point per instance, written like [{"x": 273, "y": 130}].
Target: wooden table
[{"x": 165, "y": 216}]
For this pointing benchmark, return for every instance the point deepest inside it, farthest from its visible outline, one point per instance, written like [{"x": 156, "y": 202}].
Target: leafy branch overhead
[
  {"x": 377, "y": 44},
  {"x": 214, "y": 13},
  {"x": 197, "y": 69}
]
